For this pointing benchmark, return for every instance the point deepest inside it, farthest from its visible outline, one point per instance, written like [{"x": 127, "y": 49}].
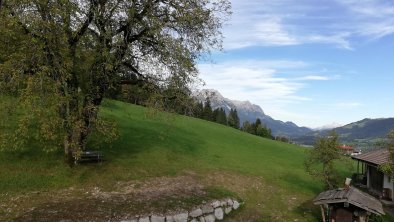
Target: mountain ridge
[
  {"x": 248, "y": 111},
  {"x": 363, "y": 133}
]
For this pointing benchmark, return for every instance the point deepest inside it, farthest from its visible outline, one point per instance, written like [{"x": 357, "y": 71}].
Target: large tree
[{"x": 59, "y": 58}]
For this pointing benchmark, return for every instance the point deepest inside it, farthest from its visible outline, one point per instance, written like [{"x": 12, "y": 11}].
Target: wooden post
[
  {"x": 358, "y": 166},
  {"x": 322, "y": 213}
]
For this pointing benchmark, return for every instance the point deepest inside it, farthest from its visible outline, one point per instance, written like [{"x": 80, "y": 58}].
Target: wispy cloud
[
  {"x": 340, "y": 40},
  {"x": 320, "y": 78},
  {"x": 373, "y": 17},
  {"x": 371, "y": 8},
  {"x": 347, "y": 105},
  {"x": 272, "y": 32},
  {"x": 291, "y": 22},
  {"x": 263, "y": 31},
  {"x": 272, "y": 84},
  {"x": 247, "y": 82}
]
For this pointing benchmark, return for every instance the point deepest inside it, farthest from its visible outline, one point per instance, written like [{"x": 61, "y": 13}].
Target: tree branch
[{"x": 79, "y": 33}]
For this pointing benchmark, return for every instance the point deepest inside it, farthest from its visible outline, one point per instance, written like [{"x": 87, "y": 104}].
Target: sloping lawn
[{"x": 267, "y": 175}]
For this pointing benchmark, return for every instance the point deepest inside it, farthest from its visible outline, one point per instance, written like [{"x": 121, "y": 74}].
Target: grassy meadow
[{"x": 268, "y": 176}]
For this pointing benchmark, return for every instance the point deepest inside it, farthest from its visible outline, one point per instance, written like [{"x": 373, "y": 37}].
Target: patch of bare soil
[
  {"x": 159, "y": 196},
  {"x": 154, "y": 196},
  {"x": 234, "y": 182}
]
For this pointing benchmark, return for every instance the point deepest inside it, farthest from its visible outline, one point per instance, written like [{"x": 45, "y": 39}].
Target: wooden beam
[{"x": 322, "y": 213}]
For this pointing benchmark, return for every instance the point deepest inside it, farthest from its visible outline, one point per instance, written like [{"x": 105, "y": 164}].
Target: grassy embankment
[{"x": 267, "y": 175}]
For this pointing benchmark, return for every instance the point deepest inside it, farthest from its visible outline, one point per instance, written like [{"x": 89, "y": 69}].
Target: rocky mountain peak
[
  {"x": 248, "y": 111},
  {"x": 246, "y": 105}
]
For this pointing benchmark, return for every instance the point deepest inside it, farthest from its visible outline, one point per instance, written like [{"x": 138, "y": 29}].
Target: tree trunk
[
  {"x": 74, "y": 143},
  {"x": 68, "y": 150}
]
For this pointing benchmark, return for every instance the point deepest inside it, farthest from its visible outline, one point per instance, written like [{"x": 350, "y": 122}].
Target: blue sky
[{"x": 312, "y": 62}]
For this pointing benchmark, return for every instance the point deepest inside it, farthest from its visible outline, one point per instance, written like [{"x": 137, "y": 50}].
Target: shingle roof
[
  {"x": 377, "y": 157},
  {"x": 352, "y": 196}
]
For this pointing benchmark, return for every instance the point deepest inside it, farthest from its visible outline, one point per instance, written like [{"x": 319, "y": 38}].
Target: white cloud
[
  {"x": 247, "y": 82},
  {"x": 312, "y": 77},
  {"x": 272, "y": 32},
  {"x": 340, "y": 40},
  {"x": 272, "y": 84},
  {"x": 263, "y": 31},
  {"x": 318, "y": 77},
  {"x": 347, "y": 105},
  {"x": 378, "y": 30},
  {"x": 291, "y": 22},
  {"x": 372, "y": 8},
  {"x": 373, "y": 17}
]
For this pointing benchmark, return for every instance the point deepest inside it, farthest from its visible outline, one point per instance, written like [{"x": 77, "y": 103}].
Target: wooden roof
[
  {"x": 345, "y": 147},
  {"x": 352, "y": 196},
  {"x": 376, "y": 157}
]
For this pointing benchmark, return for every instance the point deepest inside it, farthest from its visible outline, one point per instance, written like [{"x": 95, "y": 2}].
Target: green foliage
[
  {"x": 388, "y": 168},
  {"x": 282, "y": 139},
  {"x": 58, "y": 59},
  {"x": 207, "y": 111},
  {"x": 257, "y": 129},
  {"x": 152, "y": 147},
  {"x": 220, "y": 116},
  {"x": 321, "y": 159},
  {"x": 233, "y": 119}
]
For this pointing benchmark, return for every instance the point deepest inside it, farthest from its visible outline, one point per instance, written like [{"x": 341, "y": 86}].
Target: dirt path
[{"x": 159, "y": 196}]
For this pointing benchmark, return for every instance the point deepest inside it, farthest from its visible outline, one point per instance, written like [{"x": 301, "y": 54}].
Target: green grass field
[{"x": 267, "y": 175}]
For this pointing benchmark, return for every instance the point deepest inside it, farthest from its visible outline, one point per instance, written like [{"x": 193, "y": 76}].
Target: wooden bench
[{"x": 88, "y": 156}]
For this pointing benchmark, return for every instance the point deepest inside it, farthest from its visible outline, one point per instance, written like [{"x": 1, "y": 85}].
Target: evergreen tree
[
  {"x": 233, "y": 119},
  {"x": 247, "y": 127},
  {"x": 207, "y": 113},
  {"x": 215, "y": 115},
  {"x": 222, "y": 118},
  {"x": 199, "y": 110},
  {"x": 258, "y": 121}
]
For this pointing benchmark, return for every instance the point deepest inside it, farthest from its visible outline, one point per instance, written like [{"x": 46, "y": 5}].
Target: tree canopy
[
  {"x": 58, "y": 59},
  {"x": 320, "y": 160},
  {"x": 389, "y": 145}
]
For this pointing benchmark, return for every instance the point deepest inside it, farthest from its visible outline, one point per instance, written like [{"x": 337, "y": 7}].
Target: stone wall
[{"x": 209, "y": 212}]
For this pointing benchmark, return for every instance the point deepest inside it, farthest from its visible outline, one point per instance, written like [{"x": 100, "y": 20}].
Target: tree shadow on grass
[{"x": 141, "y": 134}]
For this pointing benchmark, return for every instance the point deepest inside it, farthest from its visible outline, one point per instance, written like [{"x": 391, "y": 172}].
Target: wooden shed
[{"x": 347, "y": 205}]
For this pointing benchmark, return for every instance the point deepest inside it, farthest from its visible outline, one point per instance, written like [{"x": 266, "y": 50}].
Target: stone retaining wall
[{"x": 214, "y": 210}]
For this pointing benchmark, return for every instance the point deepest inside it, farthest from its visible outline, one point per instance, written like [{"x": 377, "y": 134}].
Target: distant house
[
  {"x": 375, "y": 180},
  {"x": 347, "y": 205},
  {"x": 345, "y": 149}
]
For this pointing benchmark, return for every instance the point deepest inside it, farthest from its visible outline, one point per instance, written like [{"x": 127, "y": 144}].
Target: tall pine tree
[
  {"x": 233, "y": 119},
  {"x": 220, "y": 116},
  {"x": 207, "y": 113}
]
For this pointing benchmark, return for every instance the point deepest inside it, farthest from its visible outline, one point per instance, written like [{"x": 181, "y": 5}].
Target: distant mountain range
[
  {"x": 366, "y": 132},
  {"x": 250, "y": 112}
]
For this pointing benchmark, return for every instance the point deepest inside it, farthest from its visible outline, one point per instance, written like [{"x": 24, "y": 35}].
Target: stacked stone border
[{"x": 209, "y": 212}]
